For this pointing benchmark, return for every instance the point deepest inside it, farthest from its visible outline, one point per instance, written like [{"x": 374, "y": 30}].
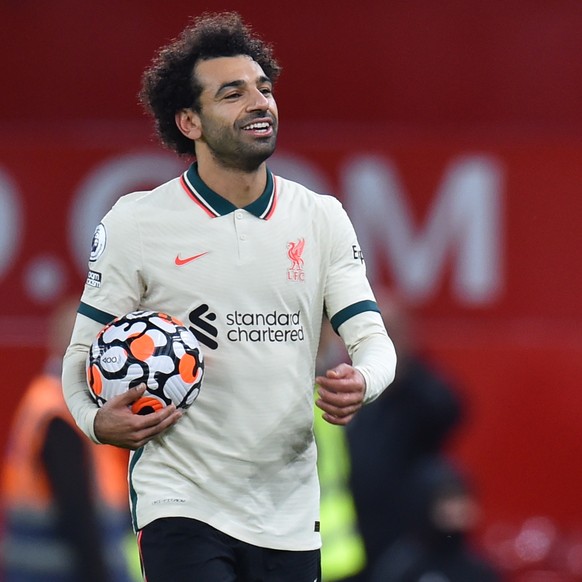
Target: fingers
[
  {"x": 152, "y": 425},
  {"x": 342, "y": 378},
  {"x": 341, "y": 393},
  {"x": 129, "y": 396},
  {"x": 338, "y": 421},
  {"x": 338, "y": 411},
  {"x": 116, "y": 424},
  {"x": 333, "y": 401}
]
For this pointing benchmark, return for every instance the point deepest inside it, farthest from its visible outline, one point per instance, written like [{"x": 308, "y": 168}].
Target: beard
[{"x": 230, "y": 150}]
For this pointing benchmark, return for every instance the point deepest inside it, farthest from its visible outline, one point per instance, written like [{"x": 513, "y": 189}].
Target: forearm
[
  {"x": 116, "y": 424},
  {"x": 371, "y": 351},
  {"x": 75, "y": 389}
]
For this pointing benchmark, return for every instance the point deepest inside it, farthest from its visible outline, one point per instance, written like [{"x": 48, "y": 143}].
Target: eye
[
  {"x": 266, "y": 90},
  {"x": 232, "y": 96}
]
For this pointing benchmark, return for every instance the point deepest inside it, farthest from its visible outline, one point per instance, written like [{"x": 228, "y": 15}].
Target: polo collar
[{"x": 215, "y": 205}]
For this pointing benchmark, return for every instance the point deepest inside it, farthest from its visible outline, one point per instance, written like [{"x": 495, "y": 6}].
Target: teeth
[{"x": 260, "y": 126}]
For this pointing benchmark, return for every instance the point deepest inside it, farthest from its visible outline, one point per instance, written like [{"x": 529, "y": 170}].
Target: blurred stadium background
[{"x": 451, "y": 131}]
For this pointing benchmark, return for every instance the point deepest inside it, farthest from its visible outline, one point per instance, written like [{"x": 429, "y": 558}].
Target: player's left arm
[
  {"x": 355, "y": 316},
  {"x": 340, "y": 393},
  {"x": 343, "y": 390}
]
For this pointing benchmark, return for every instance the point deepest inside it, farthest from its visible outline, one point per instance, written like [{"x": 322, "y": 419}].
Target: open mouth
[{"x": 259, "y": 127}]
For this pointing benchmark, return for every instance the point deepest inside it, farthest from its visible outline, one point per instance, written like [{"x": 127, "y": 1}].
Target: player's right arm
[
  {"x": 115, "y": 423},
  {"x": 113, "y": 288},
  {"x": 75, "y": 388}
]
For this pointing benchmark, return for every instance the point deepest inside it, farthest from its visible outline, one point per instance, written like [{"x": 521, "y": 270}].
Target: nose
[{"x": 258, "y": 101}]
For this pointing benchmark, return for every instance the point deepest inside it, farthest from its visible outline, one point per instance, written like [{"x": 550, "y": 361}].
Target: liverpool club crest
[{"x": 295, "y": 252}]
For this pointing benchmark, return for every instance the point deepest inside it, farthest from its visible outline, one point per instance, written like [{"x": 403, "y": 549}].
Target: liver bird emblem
[{"x": 294, "y": 251}]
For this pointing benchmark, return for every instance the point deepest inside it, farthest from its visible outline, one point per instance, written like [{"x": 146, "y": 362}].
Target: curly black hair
[{"x": 169, "y": 84}]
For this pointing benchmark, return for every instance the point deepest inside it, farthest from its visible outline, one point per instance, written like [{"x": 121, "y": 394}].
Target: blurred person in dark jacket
[
  {"x": 409, "y": 422},
  {"x": 65, "y": 516},
  {"x": 434, "y": 546}
]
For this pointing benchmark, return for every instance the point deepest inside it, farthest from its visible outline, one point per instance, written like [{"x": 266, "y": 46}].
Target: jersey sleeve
[
  {"x": 371, "y": 351},
  {"x": 113, "y": 288},
  {"x": 352, "y": 309}
]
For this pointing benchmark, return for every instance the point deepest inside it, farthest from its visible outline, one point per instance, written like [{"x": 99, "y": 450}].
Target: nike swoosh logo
[{"x": 181, "y": 262}]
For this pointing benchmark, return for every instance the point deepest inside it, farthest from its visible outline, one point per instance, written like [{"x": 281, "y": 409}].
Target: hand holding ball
[{"x": 146, "y": 347}]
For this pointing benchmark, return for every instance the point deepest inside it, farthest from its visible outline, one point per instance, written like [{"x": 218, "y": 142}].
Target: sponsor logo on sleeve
[
  {"x": 357, "y": 253},
  {"x": 98, "y": 243},
  {"x": 93, "y": 279}
]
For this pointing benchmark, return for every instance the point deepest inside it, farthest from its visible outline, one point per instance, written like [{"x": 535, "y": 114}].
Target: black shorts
[{"x": 179, "y": 549}]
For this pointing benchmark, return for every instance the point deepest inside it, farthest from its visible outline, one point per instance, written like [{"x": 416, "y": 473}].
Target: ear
[{"x": 188, "y": 122}]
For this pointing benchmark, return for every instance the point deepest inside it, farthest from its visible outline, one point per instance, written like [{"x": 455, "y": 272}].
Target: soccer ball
[{"x": 146, "y": 347}]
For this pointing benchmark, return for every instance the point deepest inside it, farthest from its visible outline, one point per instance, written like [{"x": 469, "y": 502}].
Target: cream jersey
[{"x": 252, "y": 284}]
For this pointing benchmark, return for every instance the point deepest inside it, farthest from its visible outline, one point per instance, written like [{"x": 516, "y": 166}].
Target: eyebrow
[{"x": 240, "y": 83}]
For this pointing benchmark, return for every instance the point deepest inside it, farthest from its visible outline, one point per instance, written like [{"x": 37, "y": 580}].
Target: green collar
[{"x": 216, "y": 205}]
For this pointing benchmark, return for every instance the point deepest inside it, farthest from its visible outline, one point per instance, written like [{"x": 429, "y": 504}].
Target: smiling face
[{"x": 237, "y": 120}]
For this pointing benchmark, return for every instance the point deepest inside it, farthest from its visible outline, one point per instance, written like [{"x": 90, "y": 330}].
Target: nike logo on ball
[{"x": 179, "y": 261}]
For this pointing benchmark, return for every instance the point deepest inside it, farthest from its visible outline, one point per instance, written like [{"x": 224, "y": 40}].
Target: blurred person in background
[
  {"x": 407, "y": 424},
  {"x": 434, "y": 546},
  {"x": 343, "y": 556},
  {"x": 64, "y": 499}
]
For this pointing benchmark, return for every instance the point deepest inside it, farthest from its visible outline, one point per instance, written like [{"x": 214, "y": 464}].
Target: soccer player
[{"x": 227, "y": 490}]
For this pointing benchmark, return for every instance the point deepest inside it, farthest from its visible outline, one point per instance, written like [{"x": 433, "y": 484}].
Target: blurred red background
[{"x": 458, "y": 123}]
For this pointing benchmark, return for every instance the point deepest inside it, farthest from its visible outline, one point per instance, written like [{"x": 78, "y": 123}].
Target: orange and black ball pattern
[{"x": 146, "y": 347}]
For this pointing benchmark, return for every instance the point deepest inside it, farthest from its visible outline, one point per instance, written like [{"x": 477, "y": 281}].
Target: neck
[{"x": 237, "y": 186}]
